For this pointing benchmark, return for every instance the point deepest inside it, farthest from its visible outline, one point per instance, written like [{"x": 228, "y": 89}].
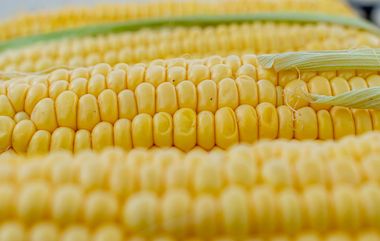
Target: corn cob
[
  {"x": 223, "y": 102},
  {"x": 142, "y": 46},
  {"x": 266, "y": 190},
  {"x": 31, "y": 24}
]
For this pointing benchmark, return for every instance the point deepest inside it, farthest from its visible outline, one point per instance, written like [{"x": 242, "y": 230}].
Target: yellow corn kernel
[
  {"x": 207, "y": 96},
  {"x": 346, "y": 74},
  {"x": 6, "y": 129},
  {"x": 17, "y": 95},
  {"x": 293, "y": 93},
  {"x": 268, "y": 121},
  {"x": 22, "y": 134},
  {"x": 117, "y": 80},
  {"x": 127, "y": 104},
  {"x": 142, "y": 131},
  {"x": 82, "y": 140},
  {"x": 32, "y": 204},
  {"x": 287, "y": 76},
  {"x": 248, "y": 91},
  {"x": 136, "y": 75},
  {"x": 176, "y": 74},
  {"x": 166, "y": 98},
  {"x": 373, "y": 80},
  {"x": 362, "y": 120},
  {"x": 325, "y": 125},
  {"x": 155, "y": 75},
  {"x": 44, "y": 232},
  {"x": 247, "y": 70},
  {"x": 206, "y": 130},
  {"x": 78, "y": 86},
  {"x": 285, "y": 122},
  {"x": 44, "y": 116},
  {"x": 140, "y": 213},
  {"x": 267, "y": 92},
  {"x": 122, "y": 134},
  {"x": 187, "y": 95},
  {"x": 306, "y": 124},
  {"x": 205, "y": 216},
  {"x": 108, "y": 106},
  {"x": 263, "y": 209},
  {"x": 66, "y": 105},
  {"x": 35, "y": 94},
  {"x": 88, "y": 112},
  {"x": 248, "y": 123},
  {"x": 198, "y": 73},
  {"x": 6, "y": 108},
  {"x": 226, "y": 128},
  {"x": 62, "y": 139},
  {"x": 102, "y": 136},
  {"x": 12, "y": 231},
  {"x": 146, "y": 98},
  {"x": 357, "y": 83},
  {"x": 96, "y": 84},
  {"x": 108, "y": 232},
  {"x": 163, "y": 130},
  {"x": 290, "y": 213},
  {"x": 40, "y": 143},
  {"x": 346, "y": 208},
  {"x": 235, "y": 220},
  {"x": 20, "y": 116},
  {"x": 317, "y": 204},
  {"x": 343, "y": 122},
  {"x": 185, "y": 124},
  {"x": 176, "y": 204},
  {"x": 67, "y": 204},
  {"x": 227, "y": 94},
  {"x": 57, "y": 87},
  {"x": 339, "y": 86},
  {"x": 219, "y": 72}
]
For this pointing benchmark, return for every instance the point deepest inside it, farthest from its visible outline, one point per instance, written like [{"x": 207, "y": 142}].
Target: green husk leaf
[
  {"x": 363, "y": 59},
  {"x": 359, "y": 99},
  {"x": 186, "y": 21}
]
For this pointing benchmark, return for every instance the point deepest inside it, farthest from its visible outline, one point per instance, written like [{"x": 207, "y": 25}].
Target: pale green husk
[
  {"x": 358, "y": 59},
  {"x": 359, "y": 99}
]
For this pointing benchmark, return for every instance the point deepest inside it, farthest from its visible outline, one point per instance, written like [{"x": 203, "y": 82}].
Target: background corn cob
[
  {"x": 148, "y": 45},
  {"x": 30, "y": 24},
  {"x": 272, "y": 189},
  {"x": 184, "y": 103}
]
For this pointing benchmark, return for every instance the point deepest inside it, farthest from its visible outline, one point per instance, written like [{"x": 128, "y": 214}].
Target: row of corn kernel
[
  {"x": 45, "y": 231},
  {"x": 169, "y": 97},
  {"x": 236, "y": 211},
  {"x": 176, "y": 70},
  {"x": 184, "y": 129},
  {"x": 102, "y": 76},
  {"x": 201, "y": 172}
]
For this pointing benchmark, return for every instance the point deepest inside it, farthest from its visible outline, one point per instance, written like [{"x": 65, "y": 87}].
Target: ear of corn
[
  {"x": 258, "y": 37},
  {"x": 44, "y": 22},
  {"x": 247, "y": 191},
  {"x": 226, "y": 101}
]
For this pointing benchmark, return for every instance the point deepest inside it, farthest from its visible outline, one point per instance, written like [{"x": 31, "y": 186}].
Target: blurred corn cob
[
  {"x": 147, "y": 45},
  {"x": 43, "y": 22},
  {"x": 288, "y": 190}
]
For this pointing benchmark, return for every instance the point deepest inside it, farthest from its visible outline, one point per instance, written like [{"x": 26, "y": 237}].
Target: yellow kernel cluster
[
  {"x": 269, "y": 190},
  {"x": 178, "y": 102},
  {"x": 149, "y": 44},
  {"x": 30, "y": 24}
]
